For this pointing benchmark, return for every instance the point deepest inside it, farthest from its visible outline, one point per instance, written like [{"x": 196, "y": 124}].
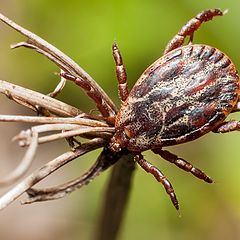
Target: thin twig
[
  {"x": 116, "y": 199},
  {"x": 47, "y": 169},
  {"x": 68, "y": 130},
  {"x": 36, "y": 119},
  {"x": 31, "y": 99},
  {"x": 30, "y": 137},
  {"x": 62, "y": 60},
  {"x": 24, "y": 165},
  {"x": 77, "y": 132},
  {"x": 24, "y": 137},
  {"x": 58, "y": 88},
  {"x": 103, "y": 162},
  {"x": 119, "y": 186}
]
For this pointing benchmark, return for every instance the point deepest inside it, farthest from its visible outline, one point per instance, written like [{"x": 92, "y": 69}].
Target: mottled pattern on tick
[{"x": 183, "y": 95}]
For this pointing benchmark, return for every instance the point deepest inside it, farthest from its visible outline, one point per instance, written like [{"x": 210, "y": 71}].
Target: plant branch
[
  {"x": 58, "y": 88},
  {"x": 104, "y": 161},
  {"x": 116, "y": 199},
  {"x": 47, "y": 169},
  {"x": 32, "y": 99},
  {"x": 24, "y": 165},
  {"x": 36, "y": 119},
  {"x": 62, "y": 116},
  {"x": 62, "y": 60},
  {"x": 79, "y": 131}
]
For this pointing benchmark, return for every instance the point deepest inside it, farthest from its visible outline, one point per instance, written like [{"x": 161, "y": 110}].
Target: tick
[{"x": 183, "y": 95}]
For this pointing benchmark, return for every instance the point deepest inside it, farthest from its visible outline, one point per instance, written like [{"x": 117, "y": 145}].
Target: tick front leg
[
  {"x": 121, "y": 73},
  {"x": 148, "y": 167},
  {"x": 229, "y": 126},
  {"x": 183, "y": 164},
  {"x": 190, "y": 27},
  {"x": 94, "y": 94}
]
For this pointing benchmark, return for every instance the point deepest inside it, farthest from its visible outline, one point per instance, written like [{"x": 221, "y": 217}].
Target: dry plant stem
[
  {"x": 69, "y": 130},
  {"x": 103, "y": 162},
  {"x": 63, "y": 61},
  {"x": 119, "y": 186},
  {"x": 22, "y": 168},
  {"x": 58, "y": 88},
  {"x": 30, "y": 137},
  {"x": 116, "y": 199},
  {"x": 47, "y": 169},
  {"x": 75, "y": 132},
  {"x": 53, "y": 193},
  {"x": 31, "y": 99},
  {"x": 36, "y": 119}
]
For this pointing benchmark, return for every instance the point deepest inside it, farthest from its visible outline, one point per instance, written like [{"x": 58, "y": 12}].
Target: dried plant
[{"x": 58, "y": 120}]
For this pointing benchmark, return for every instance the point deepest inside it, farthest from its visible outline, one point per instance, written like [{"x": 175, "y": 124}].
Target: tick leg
[
  {"x": 229, "y": 126},
  {"x": 121, "y": 73},
  {"x": 190, "y": 27},
  {"x": 237, "y": 106},
  {"x": 94, "y": 94},
  {"x": 183, "y": 164},
  {"x": 148, "y": 167}
]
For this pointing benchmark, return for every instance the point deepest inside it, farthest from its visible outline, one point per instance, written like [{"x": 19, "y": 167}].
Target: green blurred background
[{"x": 85, "y": 31}]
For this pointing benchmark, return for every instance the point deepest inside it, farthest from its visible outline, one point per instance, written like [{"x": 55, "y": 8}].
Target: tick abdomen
[{"x": 180, "y": 97}]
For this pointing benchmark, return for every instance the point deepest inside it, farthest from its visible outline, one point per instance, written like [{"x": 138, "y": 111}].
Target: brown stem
[
  {"x": 59, "y": 58},
  {"x": 31, "y": 99},
  {"x": 56, "y": 120},
  {"x": 46, "y": 170},
  {"x": 120, "y": 182},
  {"x": 116, "y": 199}
]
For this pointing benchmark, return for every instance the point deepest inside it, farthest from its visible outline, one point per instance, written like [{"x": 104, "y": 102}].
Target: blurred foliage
[{"x": 85, "y": 31}]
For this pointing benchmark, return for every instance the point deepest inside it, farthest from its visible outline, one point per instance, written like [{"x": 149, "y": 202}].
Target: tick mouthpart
[
  {"x": 119, "y": 141},
  {"x": 115, "y": 147}
]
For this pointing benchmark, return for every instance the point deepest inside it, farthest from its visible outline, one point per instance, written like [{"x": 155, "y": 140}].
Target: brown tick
[{"x": 183, "y": 95}]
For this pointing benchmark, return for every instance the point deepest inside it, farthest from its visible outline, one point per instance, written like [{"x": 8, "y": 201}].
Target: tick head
[{"x": 120, "y": 139}]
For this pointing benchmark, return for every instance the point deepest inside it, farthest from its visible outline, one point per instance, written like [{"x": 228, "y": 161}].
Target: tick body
[
  {"x": 186, "y": 93},
  {"x": 182, "y": 96}
]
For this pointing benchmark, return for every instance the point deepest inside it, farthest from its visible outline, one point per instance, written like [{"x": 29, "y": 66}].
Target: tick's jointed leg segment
[
  {"x": 229, "y": 126},
  {"x": 148, "y": 167},
  {"x": 190, "y": 27},
  {"x": 183, "y": 164},
  {"x": 94, "y": 94},
  {"x": 121, "y": 73}
]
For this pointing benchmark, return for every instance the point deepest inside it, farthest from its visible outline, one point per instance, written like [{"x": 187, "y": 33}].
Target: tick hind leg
[
  {"x": 190, "y": 27},
  {"x": 183, "y": 164},
  {"x": 229, "y": 126},
  {"x": 121, "y": 73},
  {"x": 148, "y": 167}
]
